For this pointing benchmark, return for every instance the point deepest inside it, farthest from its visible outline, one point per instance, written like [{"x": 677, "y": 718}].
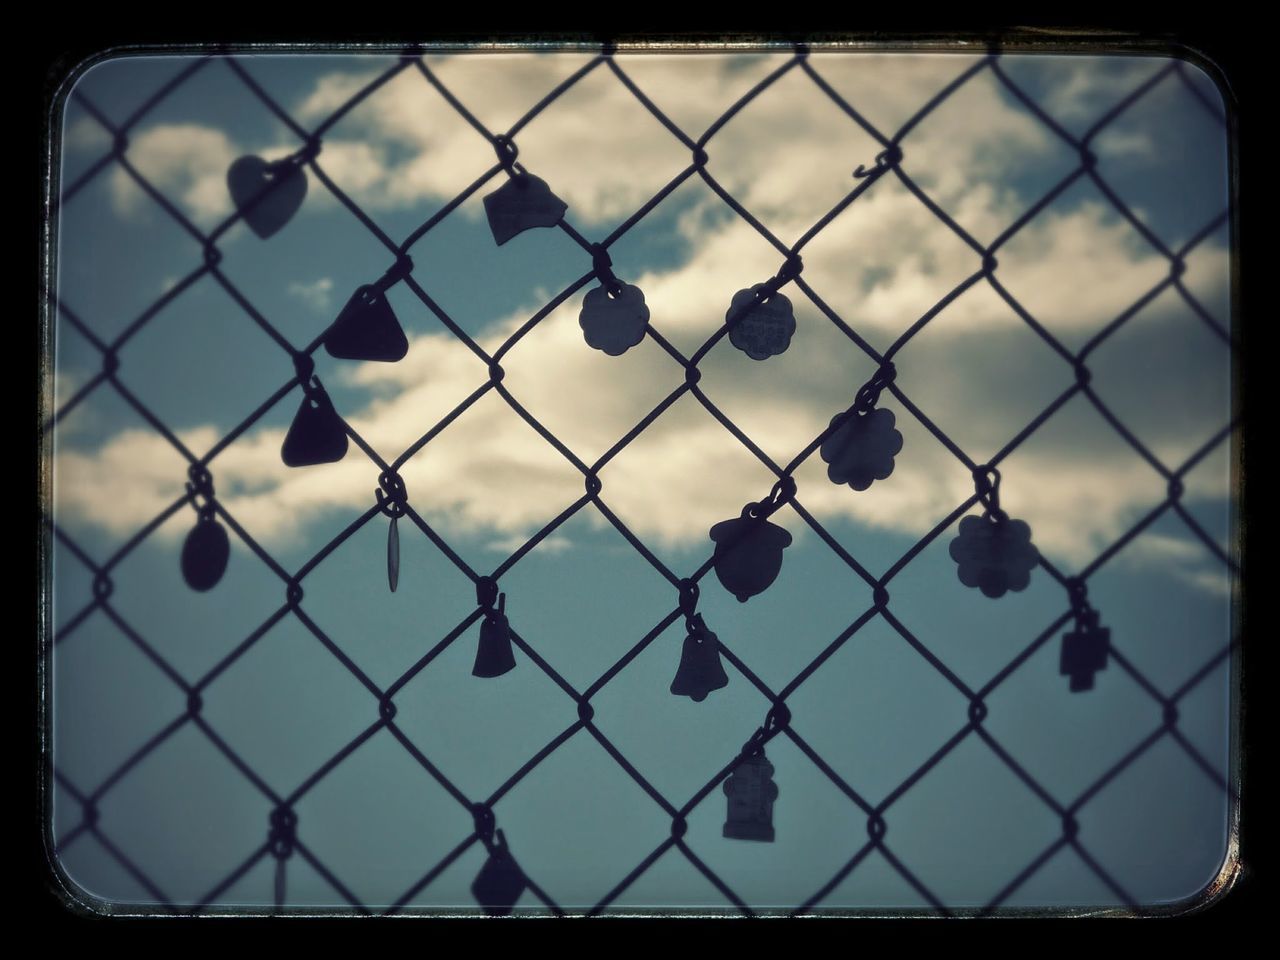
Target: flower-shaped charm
[
  {"x": 862, "y": 448},
  {"x": 748, "y": 554},
  {"x": 764, "y": 329},
  {"x": 614, "y": 324},
  {"x": 994, "y": 556}
]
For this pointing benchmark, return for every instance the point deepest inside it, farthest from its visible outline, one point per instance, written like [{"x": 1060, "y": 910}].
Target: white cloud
[
  {"x": 789, "y": 157},
  {"x": 315, "y": 294}
]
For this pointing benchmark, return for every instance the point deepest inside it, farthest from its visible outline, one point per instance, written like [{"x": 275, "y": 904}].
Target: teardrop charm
[{"x": 393, "y": 555}]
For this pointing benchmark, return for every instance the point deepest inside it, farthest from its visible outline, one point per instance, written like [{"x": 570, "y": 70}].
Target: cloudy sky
[{"x": 877, "y": 709}]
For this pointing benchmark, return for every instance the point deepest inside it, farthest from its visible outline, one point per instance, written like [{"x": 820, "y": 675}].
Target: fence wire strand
[{"x": 284, "y": 839}]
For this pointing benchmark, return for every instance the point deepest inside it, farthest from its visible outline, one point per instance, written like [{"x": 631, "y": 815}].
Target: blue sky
[{"x": 876, "y": 710}]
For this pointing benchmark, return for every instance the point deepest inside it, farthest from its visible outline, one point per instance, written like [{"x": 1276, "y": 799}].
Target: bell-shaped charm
[
  {"x": 316, "y": 435},
  {"x": 700, "y": 668},
  {"x": 524, "y": 201},
  {"x": 751, "y": 792},
  {"x": 1084, "y": 651},
  {"x": 493, "y": 655},
  {"x": 205, "y": 553},
  {"x": 500, "y": 882},
  {"x": 367, "y": 329}
]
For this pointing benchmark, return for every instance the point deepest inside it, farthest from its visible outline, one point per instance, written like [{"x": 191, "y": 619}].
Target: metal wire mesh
[{"x": 284, "y": 837}]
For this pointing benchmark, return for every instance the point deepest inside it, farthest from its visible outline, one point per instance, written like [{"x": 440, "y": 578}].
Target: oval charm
[
  {"x": 204, "y": 554},
  {"x": 994, "y": 557},
  {"x": 764, "y": 329},
  {"x": 862, "y": 448},
  {"x": 614, "y": 324}
]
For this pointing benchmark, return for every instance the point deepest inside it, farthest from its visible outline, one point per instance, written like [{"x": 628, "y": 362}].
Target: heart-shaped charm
[
  {"x": 367, "y": 329},
  {"x": 266, "y": 195},
  {"x": 748, "y": 554},
  {"x": 522, "y": 202},
  {"x": 317, "y": 434},
  {"x": 760, "y": 330},
  {"x": 994, "y": 556},
  {"x": 204, "y": 554},
  {"x": 862, "y": 448},
  {"x": 614, "y": 324}
]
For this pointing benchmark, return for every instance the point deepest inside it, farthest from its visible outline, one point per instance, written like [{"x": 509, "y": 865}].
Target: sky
[{"x": 876, "y": 710}]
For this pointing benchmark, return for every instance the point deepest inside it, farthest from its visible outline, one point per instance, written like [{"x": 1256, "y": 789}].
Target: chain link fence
[{"x": 284, "y": 838}]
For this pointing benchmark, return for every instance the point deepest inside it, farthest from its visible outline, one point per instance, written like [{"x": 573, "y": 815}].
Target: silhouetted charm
[
  {"x": 317, "y": 434},
  {"x": 500, "y": 882},
  {"x": 748, "y": 553},
  {"x": 700, "y": 668},
  {"x": 862, "y": 448},
  {"x": 751, "y": 792},
  {"x": 266, "y": 194},
  {"x": 1084, "y": 651},
  {"x": 994, "y": 555},
  {"x": 205, "y": 553},
  {"x": 493, "y": 655},
  {"x": 614, "y": 324},
  {"x": 393, "y": 555},
  {"x": 367, "y": 329},
  {"x": 760, "y": 330},
  {"x": 524, "y": 201}
]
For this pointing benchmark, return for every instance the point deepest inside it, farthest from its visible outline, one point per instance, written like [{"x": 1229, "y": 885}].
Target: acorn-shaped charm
[
  {"x": 614, "y": 322},
  {"x": 205, "y": 553},
  {"x": 994, "y": 555},
  {"x": 524, "y": 201},
  {"x": 748, "y": 553},
  {"x": 760, "y": 329},
  {"x": 862, "y": 448},
  {"x": 267, "y": 195}
]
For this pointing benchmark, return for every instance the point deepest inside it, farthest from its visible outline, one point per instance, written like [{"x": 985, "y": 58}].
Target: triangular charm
[
  {"x": 317, "y": 434},
  {"x": 522, "y": 202},
  {"x": 367, "y": 329}
]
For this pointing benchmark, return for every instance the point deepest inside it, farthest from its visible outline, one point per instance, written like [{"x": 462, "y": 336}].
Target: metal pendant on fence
[
  {"x": 760, "y": 330},
  {"x": 1084, "y": 651},
  {"x": 522, "y": 202},
  {"x": 994, "y": 556},
  {"x": 316, "y": 435},
  {"x": 267, "y": 195},
  {"x": 862, "y": 448},
  {"x": 748, "y": 553},
  {"x": 393, "y": 555},
  {"x": 500, "y": 882},
  {"x": 700, "y": 668},
  {"x": 367, "y": 329},
  {"x": 204, "y": 554},
  {"x": 614, "y": 324},
  {"x": 494, "y": 656},
  {"x": 751, "y": 792}
]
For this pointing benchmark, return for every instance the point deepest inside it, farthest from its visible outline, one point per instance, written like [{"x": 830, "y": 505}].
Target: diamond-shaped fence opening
[{"x": 572, "y": 798}]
